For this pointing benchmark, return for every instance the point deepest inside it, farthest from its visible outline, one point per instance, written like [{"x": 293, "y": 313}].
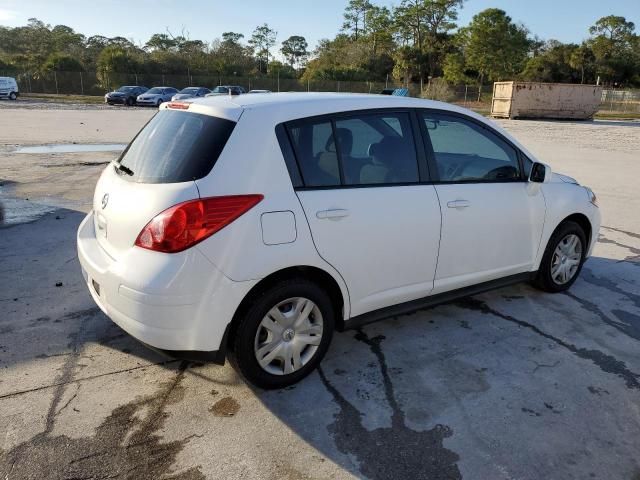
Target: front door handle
[
  {"x": 459, "y": 204},
  {"x": 334, "y": 213}
]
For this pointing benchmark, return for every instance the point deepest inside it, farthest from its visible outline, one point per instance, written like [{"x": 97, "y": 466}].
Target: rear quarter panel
[{"x": 252, "y": 162}]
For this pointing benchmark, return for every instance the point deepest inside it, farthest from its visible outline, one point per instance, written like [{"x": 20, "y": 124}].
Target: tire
[
  {"x": 13, "y": 96},
  {"x": 545, "y": 279},
  {"x": 130, "y": 102},
  {"x": 158, "y": 103},
  {"x": 252, "y": 339}
]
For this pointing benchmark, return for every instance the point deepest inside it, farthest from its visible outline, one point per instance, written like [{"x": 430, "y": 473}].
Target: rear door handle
[
  {"x": 459, "y": 204},
  {"x": 332, "y": 214}
]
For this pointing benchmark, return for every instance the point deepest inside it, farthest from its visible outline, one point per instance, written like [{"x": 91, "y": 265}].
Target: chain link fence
[
  {"x": 620, "y": 101},
  {"x": 86, "y": 83},
  {"x": 472, "y": 96}
]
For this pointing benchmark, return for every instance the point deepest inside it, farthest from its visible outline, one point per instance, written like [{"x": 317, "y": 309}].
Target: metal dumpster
[{"x": 545, "y": 100}]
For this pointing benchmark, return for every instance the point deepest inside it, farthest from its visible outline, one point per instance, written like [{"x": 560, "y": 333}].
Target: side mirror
[{"x": 538, "y": 173}]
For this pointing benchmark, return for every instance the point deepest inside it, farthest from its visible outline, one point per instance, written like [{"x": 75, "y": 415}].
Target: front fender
[{"x": 564, "y": 200}]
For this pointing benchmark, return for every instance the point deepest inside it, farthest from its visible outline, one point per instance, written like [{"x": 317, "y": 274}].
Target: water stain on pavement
[
  {"x": 394, "y": 452},
  {"x": 225, "y": 407},
  {"x": 606, "y": 363},
  {"x": 124, "y": 446}
]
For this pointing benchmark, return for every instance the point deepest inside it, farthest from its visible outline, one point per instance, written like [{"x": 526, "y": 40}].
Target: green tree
[
  {"x": 262, "y": 40},
  {"x": 294, "y": 50},
  {"x": 379, "y": 30},
  {"x": 428, "y": 22},
  {"x": 455, "y": 71},
  {"x": 582, "y": 60},
  {"x": 62, "y": 62},
  {"x": 229, "y": 56},
  {"x": 355, "y": 17},
  {"x": 494, "y": 46},
  {"x": 161, "y": 42},
  {"x": 115, "y": 59},
  {"x": 613, "y": 44}
]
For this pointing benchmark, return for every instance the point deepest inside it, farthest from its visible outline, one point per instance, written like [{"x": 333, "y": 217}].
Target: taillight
[
  {"x": 179, "y": 105},
  {"x": 188, "y": 223}
]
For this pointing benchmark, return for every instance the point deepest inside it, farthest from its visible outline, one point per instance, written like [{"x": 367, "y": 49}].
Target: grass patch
[
  {"x": 617, "y": 116},
  {"x": 52, "y": 97}
]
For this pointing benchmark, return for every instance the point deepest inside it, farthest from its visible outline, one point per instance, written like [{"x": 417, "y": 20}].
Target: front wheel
[
  {"x": 13, "y": 96},
  {"x": 130, "y": 102},
  {"x": 284, "y": 334},
  {"x": 563, "y": 258}
]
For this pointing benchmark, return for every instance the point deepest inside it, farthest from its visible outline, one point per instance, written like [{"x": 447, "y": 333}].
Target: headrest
[{"x": 345, "y": 137}]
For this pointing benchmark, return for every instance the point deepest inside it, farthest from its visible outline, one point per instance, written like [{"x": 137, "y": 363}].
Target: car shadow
[{"x": 454, "y": 391}]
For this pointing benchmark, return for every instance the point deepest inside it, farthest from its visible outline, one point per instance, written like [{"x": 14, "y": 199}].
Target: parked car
[
  {"x": 156, "y": 96},
  {"x": 259, "y": 91},
  {"x": 191, "y": 92},
  {"x": 125, "y": 95},
  {"x": 9, "y": 88},
  {"x": 257, "y": 225},
  {"x": 226, "y": 90}
]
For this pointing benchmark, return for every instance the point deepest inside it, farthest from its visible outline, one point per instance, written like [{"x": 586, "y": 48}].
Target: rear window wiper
[{"x": 121, "y": 168}]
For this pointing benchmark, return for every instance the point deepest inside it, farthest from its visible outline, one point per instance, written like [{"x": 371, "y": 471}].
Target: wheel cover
[
  {"x": 288, "y": 336},
  {"x": 566, "y": 259}
]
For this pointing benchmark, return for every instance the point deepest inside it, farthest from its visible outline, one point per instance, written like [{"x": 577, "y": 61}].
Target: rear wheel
[
  {"x": 563, "y": 258},
  {"x": 284, "y": 334}
]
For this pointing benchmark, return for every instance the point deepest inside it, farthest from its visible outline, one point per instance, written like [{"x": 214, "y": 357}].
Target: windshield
[
  {"x": 155, "y": 90},
  {"x": 191, "y": 90},
  {"x": 125, "y": 89},
  {"x": 221, "y": 90},
  {"x": 175, "y": 146}
]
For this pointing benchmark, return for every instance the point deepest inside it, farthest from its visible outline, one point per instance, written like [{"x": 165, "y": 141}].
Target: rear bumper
[{"x": 178, "y": 303}]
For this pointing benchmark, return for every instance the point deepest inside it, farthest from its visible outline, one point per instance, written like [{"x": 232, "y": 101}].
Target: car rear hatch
[{"x": 156, "y": 171}]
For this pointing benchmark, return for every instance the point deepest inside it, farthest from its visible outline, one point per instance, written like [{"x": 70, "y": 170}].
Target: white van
[
  {"x": 8, "y": 88},
  {"x": 255, "y": 225}
]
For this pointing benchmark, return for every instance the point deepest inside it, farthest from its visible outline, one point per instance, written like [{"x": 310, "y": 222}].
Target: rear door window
[
  {"x": 176, "y": 146},
  {"x": 315, "y": 149},
  {"x": 377, "y": 149}
]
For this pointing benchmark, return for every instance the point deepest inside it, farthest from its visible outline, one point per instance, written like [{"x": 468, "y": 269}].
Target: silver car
[
  {"x": 226, "y": 90},
  {"x": 191, "y": 92},
  {"x": 155, "y": 96}
]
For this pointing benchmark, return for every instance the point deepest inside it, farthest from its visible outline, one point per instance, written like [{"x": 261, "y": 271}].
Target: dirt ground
[{"x": 512, "y": 384}]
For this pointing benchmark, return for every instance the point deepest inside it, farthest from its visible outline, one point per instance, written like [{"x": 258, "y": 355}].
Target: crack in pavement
[
  {"x": 633, "y": 250},
  {"x": 123, "y": 446},
  {"x": 606, "y": 363},
  {"x": 626, "y": 232},
  {"x": 91, "y": 377},
  {"x": 395, "y": 452}
]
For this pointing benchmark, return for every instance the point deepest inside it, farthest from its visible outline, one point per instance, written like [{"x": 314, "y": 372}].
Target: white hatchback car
[{"x": 256, "y": 225}]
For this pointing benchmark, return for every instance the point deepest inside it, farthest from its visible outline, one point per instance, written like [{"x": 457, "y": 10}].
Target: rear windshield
[{"x": 176, "y": 146}]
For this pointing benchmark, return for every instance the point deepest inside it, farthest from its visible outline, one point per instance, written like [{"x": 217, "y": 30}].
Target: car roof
[
  {"x": 291, "y": 105},
  {"x": 282, "y": 107}
]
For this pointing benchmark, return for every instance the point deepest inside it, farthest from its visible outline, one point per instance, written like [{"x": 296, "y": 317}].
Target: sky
[{"x": 564, "y": 20}]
